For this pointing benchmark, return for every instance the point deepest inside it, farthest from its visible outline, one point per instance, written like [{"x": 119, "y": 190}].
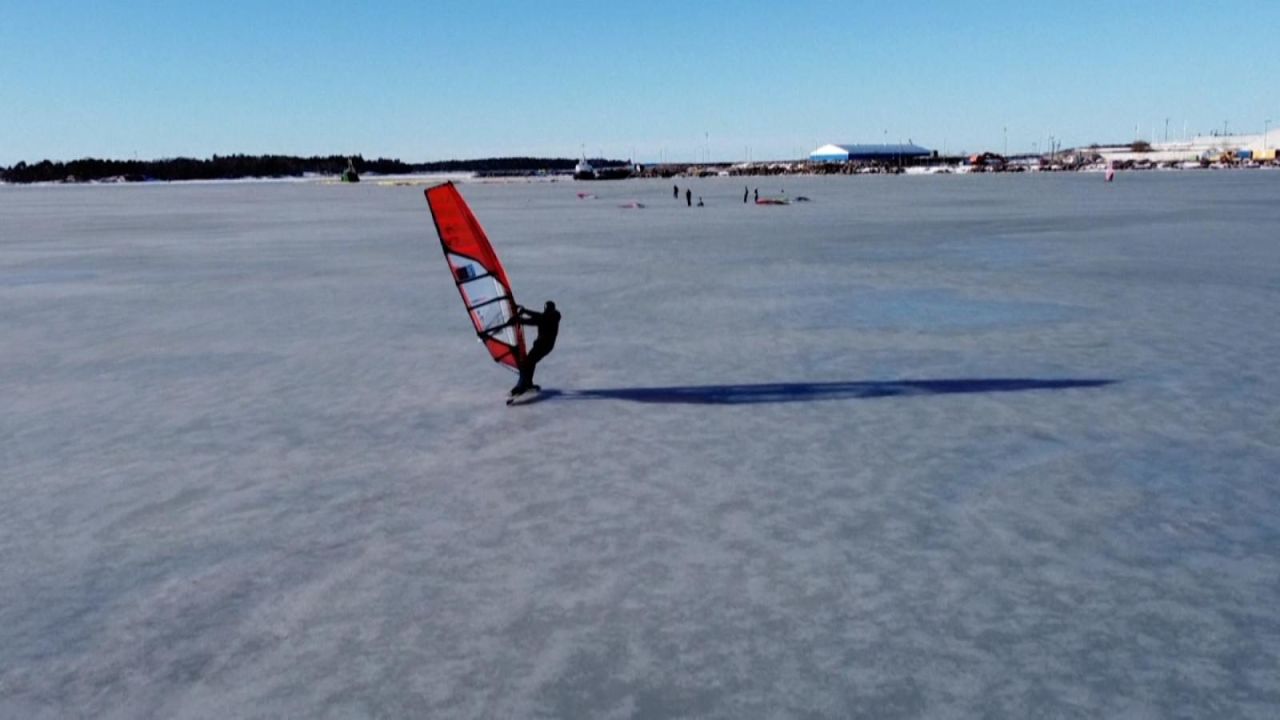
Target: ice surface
[{"x": 923, "y": 447}]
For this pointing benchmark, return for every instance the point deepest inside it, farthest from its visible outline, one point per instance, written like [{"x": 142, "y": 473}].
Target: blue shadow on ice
[{"x": 804, "y": 392}]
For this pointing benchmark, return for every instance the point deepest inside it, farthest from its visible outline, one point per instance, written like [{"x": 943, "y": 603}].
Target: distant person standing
[
  {"x": 675, "y": 191},
  {"x": 745, "y": 193},
  {"x": 688, "y": 197},
  {"x": 757, "y": 194}
]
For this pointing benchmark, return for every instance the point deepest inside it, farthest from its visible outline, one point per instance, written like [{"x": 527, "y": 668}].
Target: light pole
[
  {"x": 1166, "y": 130},
  {"x": 1006, "y": 141}
]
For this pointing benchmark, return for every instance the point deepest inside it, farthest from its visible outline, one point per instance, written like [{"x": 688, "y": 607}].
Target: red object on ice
[{"x": 481, "y": 279}]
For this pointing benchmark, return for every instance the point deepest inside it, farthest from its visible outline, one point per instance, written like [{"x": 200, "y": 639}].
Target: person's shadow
[{"x": 813, "y": 391}]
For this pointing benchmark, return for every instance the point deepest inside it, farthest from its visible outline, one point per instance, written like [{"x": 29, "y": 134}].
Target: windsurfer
[{"x": 548, "y": 324}]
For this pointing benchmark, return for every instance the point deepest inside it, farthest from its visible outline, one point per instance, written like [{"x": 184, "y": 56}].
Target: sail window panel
[
  {"x": 484, "y": 290},
  {"x": 464, "y": 268},
  {"x": 506, "y": 336},
  {"x": 492, "y": 316}
]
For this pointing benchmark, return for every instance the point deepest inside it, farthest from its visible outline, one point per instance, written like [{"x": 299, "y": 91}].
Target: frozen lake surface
[{"x": 921, "y": 447}]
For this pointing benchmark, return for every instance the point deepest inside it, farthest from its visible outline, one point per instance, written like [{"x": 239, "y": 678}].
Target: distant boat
[{"x": 584, "y": 171}]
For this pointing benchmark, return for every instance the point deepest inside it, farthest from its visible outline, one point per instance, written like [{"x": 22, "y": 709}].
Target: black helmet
[{"x": 550, "y": 305}]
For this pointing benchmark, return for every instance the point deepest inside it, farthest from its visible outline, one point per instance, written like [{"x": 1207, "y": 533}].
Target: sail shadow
[{"x": 808, "y": 392}]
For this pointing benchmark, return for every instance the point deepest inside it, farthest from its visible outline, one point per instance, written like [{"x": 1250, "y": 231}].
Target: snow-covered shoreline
[{"x": 469, "y": 177}]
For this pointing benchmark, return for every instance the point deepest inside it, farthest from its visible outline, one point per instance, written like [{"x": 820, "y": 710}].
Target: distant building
[
  {"x": 1209, "y": 148},
  {"x": 867, "y": 153}
]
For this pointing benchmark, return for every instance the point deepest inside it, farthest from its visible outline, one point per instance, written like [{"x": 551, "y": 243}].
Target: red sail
[{"x": 481, "y": 281}]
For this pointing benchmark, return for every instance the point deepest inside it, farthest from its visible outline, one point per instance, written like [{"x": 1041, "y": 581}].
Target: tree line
[{"x": 230, "y": 167}]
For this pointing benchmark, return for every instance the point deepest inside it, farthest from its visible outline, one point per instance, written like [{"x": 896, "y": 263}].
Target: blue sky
[{"x": 424, "y": 80}]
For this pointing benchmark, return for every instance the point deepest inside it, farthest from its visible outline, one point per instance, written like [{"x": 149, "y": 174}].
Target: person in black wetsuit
[{"x": 548, "y": 324}]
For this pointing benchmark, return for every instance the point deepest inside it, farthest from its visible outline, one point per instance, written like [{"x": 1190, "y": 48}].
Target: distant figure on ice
[
  {"x": 548, "y": 324},
  {"x": 757, "y": 198},
  {"x": 675, "y": 191},
  {"x": 349, "y": 175},
  {"x": 745, "y": 193},
  {"x": 688, "y": 197},
  {"x": 699, "y": 201}
]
